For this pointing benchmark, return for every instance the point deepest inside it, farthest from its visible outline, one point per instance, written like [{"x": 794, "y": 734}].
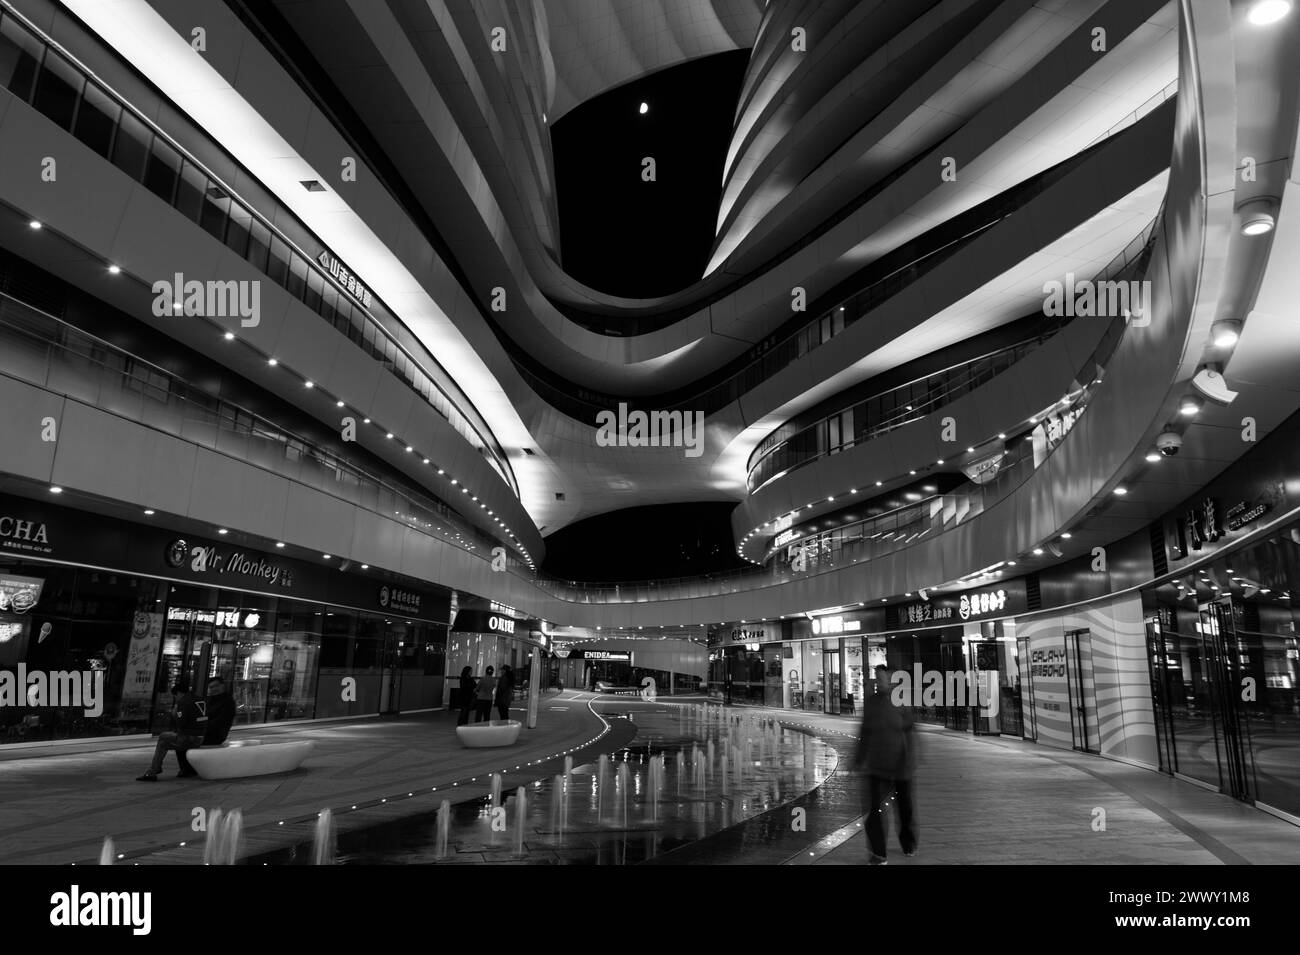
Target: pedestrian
[
  {"x": 887, "y": 755},
  {"x": 466, "y": 695},
  {"x": 486, "y": 692},
  {"x": 505, "y": 691},
  {"x": 186, "y": 734}
]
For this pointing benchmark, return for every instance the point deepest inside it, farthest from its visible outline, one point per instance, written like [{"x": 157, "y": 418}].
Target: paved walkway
[
  {"x": 996, "y": 800},
  {"x": 58, "y": 806}
]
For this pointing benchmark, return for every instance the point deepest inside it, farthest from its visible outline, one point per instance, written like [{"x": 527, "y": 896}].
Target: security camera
[{"x": 1168, "y": 443}]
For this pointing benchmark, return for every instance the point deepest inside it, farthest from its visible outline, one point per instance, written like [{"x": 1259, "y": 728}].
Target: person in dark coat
[
  {"x": 486, "y": 692},
  {"x": 187, "y": 734},
  {"x": 218, "y": 715},
  {"x": 466, "y": 695},
  {"x": 505, "y": 691},
  {"x": 887, "y": 755}
]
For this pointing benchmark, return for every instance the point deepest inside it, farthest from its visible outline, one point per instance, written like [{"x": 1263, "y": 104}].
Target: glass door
[
  {"x": 831, "y": 673},
  {"x": 1083, "y": 708},
  {"x": 1223, "y": 655}
]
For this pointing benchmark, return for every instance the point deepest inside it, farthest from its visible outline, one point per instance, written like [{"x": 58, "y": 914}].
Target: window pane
[
  {"x": 97, "y": 119},
  {"x": 259, "y": 245},
  {"x": 297, "y": 276},
  {"x": 20, "y": 56},
  {"x": 162, "y": 170},
  {"x": 131, "y": 146},
  {"x": 237, "y": 233},
  {"x": 277, "y": 266},
  {"x": 315, "y": 285},
  {"x": 215, "y": 204},
  {"x": 190, "y": 190},
  {"x": 58, "y": 89}
]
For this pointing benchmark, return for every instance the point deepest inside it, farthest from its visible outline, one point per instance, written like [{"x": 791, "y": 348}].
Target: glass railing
[
  {"x": 46, "y": 351},
  {"x": 36, "y": 72}
]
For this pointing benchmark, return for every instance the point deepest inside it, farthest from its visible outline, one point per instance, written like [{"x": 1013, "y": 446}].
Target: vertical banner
[
  {"x": 142, "y": 657},
  {"x": 534, "y": 685}
]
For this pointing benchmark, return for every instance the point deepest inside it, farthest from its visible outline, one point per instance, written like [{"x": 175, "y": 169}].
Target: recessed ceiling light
[
  {"x": 1121, "y": 490},
  {"x": 408, "y": 449},
  {"x": 879, "y": 483},
  {"x": 339, "y": 404},
  {"x": 222, "y": 530},
  {"x": 1067, "y": 535},
  {"x": 1225, "y": 333},
  {"x": 326, "y": 556},
  {"x": 149, "y": 512},
  {"x": 230, "y": 336},
  {"x": 1189, "y": 406},
  {"x": 1269, "y": 11},
  {"x": 426, "y": 460},
  {"x": 33, "y": 224},
  {"x": 1011, "y": 563},
  {"x": 365, "y": 566},
  {"x": 366, "y": 421},
  {"x": 312, "y": 185},
  {"x": 1038, "y": 552},
  {"x": 114, "y": 269},
  {"x": 1002, "y": 437},
  {"x": 309, "y": 384},
  {"x": 645, "y": 108},
  {"x": 273, "y": 362},
  {"x": 55, "y": 489},
  {"x": 279, "y": 543}
]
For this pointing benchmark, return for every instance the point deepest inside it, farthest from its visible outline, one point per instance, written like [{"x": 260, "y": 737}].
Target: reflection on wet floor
[{"x": 690, "y": 772}]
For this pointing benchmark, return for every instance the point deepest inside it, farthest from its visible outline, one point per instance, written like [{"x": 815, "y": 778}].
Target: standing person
[
  {"x": 483, "y": 701},
  {"x": 505, "y": 691},
  {"x": 466, "y": 695},
  {"x": 887, "y": 754},
  {"x": 185, "y": 735}
]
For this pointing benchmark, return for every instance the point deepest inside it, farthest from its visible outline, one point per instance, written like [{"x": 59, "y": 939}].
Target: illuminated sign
[
  {"x": 18, "y": 534},
  {"x": 617, "y": 656},
  {"x": 347, "y": 279},
  {"x": 501, "y": 624},
  {"x": 925, "y": 612},
  {"x": 400, "y": 601},
  {"x": 825, "y": 625},
  {"x": 19, "y": 594},
  {"x": 785, "y": 538},
  {"x": 204, "y": 558},
  {"x": 974, "y": 605}
]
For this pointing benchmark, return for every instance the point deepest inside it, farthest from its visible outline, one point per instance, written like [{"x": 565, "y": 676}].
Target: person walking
[
  {"x": 187, "y": 734},
  {"x": 505, "y": 691},
  {"x": 466, "y": 695},
  {"x": 887, "y": 755},
  {"x": 487, "y": 686}
]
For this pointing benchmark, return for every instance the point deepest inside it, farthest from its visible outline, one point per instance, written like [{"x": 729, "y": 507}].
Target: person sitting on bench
[{"x": 187, "y": 735}]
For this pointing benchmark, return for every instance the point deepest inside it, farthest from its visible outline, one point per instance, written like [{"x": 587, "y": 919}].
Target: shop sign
[
  {"x": 190, "y": 615},
  {"x": 142, "y": 656},
  {"x": 345, "y": 277},
  {"x": 26, "y": 536},
  {"x": 399, "y": 601},
  {"x": 974, "y": 605},
  {"x": 984, "y": 469},
  {"x": 616, "y": 656},
  {"x": 1239, "y": 515},
  {"x": 748, "y": 636},
  {"x": 785, "y": 538},
  {"x": 833, "y": 625},
  {"x": 19, "y": 594},
  {"x": 204, "y": 559},
  {"x": 501, "y": 624},
  {"x": 925, "y": 612}
]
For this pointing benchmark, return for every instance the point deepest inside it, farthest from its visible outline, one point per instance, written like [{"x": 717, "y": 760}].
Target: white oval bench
[
  {"x": 249, "y": 757},
  {"x": 493, "y": 733}
]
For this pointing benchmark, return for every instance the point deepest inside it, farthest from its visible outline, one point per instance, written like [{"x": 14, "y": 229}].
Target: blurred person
[
  {"x": 217, "y": 715},
  {"x": 487, "y": 687},
  {"x": 887, "y": 755},
  {"x": 186, "y": 734},
  {"x": 505, "y": 691},
  {"x": 466, "y": 695}
]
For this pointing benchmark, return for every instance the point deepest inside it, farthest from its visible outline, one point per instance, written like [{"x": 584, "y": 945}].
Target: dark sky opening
[{"x": 620, "y": 234}]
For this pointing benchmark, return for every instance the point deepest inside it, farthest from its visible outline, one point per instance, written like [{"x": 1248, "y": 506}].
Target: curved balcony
[
  {"x": 35, "y": 71},
  {"x": 45, "y": 351},
  {"x": 786, "y": 450}
]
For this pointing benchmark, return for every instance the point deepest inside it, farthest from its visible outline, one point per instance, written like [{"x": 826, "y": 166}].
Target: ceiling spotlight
[
  {"x": 222, "y": 530},
  {"x": 1038, "y": 552},
  {"x": 56, "y": 489},
  {"x": 1002, "y": 437},
  {"x": 339, "y": 404},
  {"x": 273, "y": 362},
  {"x": 149, "y": 512},
  {"x": 1268, "y": 11},
  {"x": 645, "y": 108},
  {"x": 114, "y": 269},
  {"x": 1257, "y": 215},
  {"x": 366, "y": 421},
  {"x": 389, "y": 435},
  {"x": 279, "y": 544},
  {"x": 1067, "y": 535},
  {"x": 230, "y": 336},
  {"x": 309, "y": 384},
  {"x": 33, "y": 224},
  {"x": 1189, "y": 406},
  {"x": 1121, "y": 491},
  {"x": 1225, "y": 334},
  {"x": 1153, "y": 456}
]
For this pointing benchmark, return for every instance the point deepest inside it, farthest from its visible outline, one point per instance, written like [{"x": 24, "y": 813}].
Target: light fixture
[
  {"x": 389, "y": 435},
  {"x": 645, "y": 108},
  {"x": 339, "y": 404},
  {"x": 1002, "y": 437},
  {"x": 1011, "y": 563},
  {"x": 426, "y": 460},
  {"x": 230, "y": 336},
  {"x": 325, "y": 556},
  {"x": 366, "y": 421},
  {"x": 879, "y": 483},
  {"x": 312, "y": 185},
  {"x": 149, "y": 512},
  {"x": 1225, "y": 334},
  {"x": 309, "y": 384},
  {"x": 114, "y": 269},
  {"x": 1189, "y": 406},
  {"x": 1121, "y": 491},
  {"x": 33, "y": 224},
  {"x": 279, "y": 544},
  {"x": 222, "y": 530},
  {"x": 1067, "y": 535},
  {"x": 1257, "y": 215},
  {"x": 408, "y": 449},
  {"x": 55, "y": 489},
  {"x": 1153, "y": 456},
  {"x": 1209, "y": 382},
  {"x": 1038, "y": 552},
  {"x": 1268, "y": 11},
  {"x": 273, "y": 362}
]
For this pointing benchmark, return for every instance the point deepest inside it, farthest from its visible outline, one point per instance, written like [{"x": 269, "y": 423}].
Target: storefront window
[{"x": 294, "y": 666}]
